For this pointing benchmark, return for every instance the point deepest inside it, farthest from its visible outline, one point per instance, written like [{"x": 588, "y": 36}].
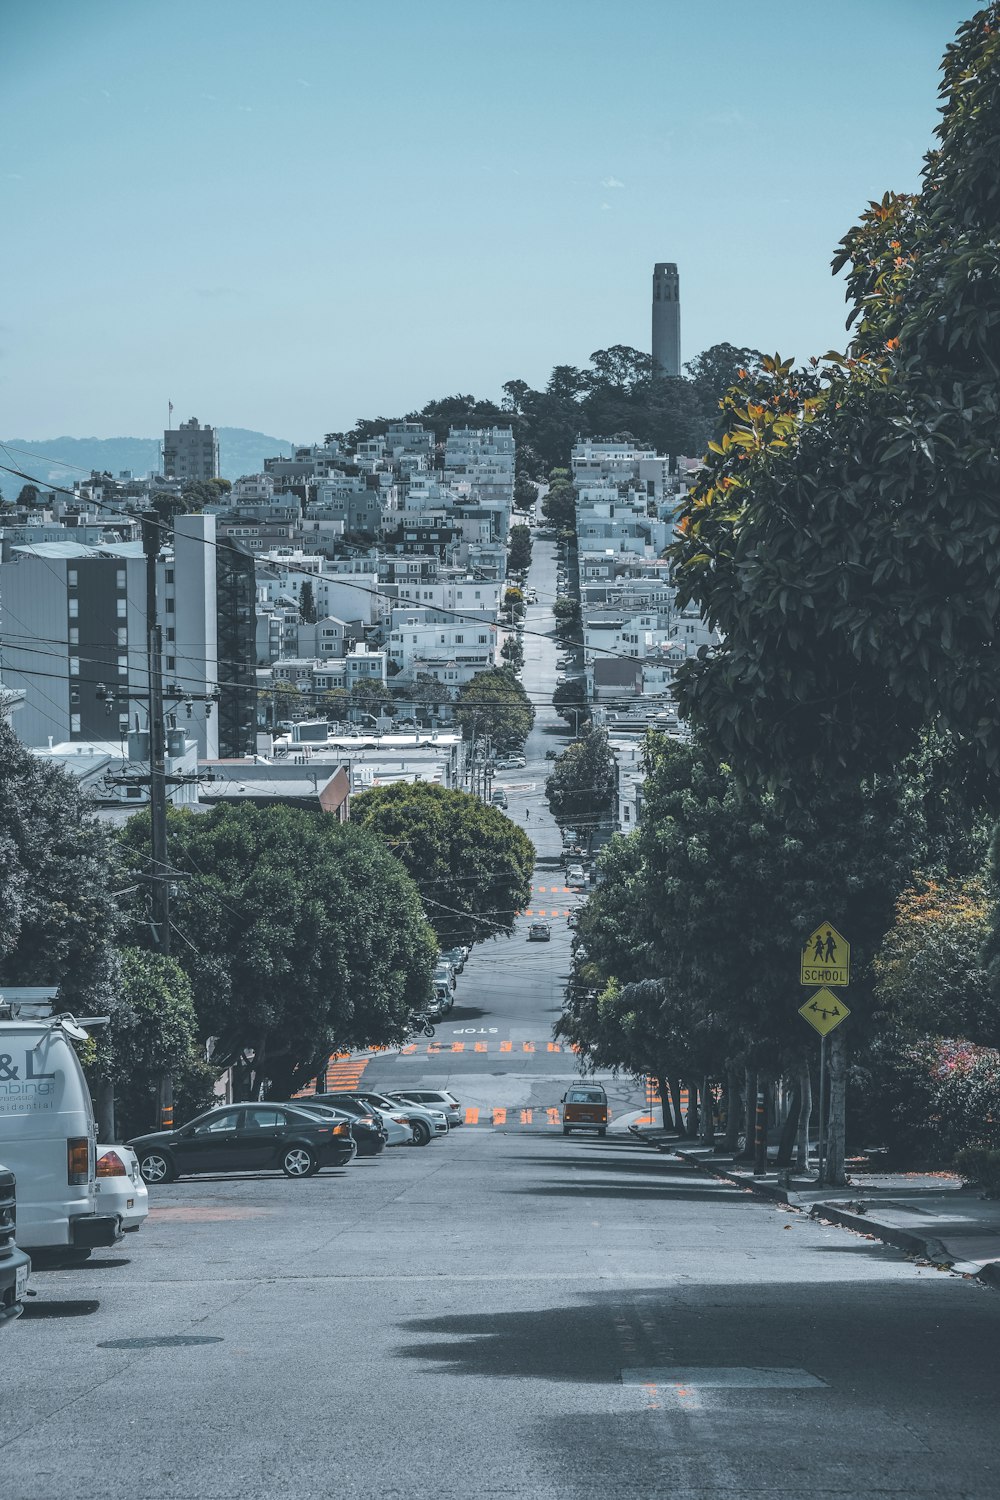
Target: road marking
[
  {"x": 526, "y": 1117},
  {"x": 527, "y": 1046},
  {"x": 458, "y": 1046},
  {"x": 480, "y": 1047},
  {"x": 554, "y": 1047},
  {"x": 553, "y": 1116},
  {"x": 499, "y": 1117},
  {"x": 472, "y": 1116},
  {"x": 506, "y": 1046}
]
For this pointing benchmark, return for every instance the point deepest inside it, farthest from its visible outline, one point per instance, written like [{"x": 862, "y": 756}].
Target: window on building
[
  {"x": 74, "y": 666},
  {"x": 171, "y": 633},
  {"x": 122, "y": 608},
  {"x": 170, "y": 606},
  {"x": 74, "y": 723},
  {"x": 122, "y": 578},
  {"x": 72, "y": 577},
  {"x": 171, "y": 664},
  {"x": 74, "y": 635},
  {"x": 123, "y": 635},
  {"x": 123, "y": 666},
  {"x": 170, "y": 575},
  {"x": 74, "y": 608}
]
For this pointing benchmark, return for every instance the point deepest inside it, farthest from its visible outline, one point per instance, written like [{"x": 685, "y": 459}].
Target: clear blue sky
[{"x": 286, "y": 216}]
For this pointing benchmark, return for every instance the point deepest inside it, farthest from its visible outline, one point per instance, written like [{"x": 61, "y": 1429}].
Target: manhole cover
[{"x": 163, "y": 1341}]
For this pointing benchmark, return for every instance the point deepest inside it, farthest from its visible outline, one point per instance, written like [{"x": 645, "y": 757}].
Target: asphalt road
[{"x": 504, "y": 1313}]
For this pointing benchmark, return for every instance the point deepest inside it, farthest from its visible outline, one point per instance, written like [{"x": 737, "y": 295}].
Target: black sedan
[
  {"x": 245, "y": 1138},
  {"x": 367, "y": 1129}
]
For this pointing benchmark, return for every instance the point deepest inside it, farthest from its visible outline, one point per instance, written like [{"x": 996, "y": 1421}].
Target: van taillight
[
  {"x": 111, "y": 1165},
  {"x": 77, "y": 1160}
]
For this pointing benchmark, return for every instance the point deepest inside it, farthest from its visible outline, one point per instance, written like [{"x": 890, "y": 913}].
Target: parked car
[
  {"x": 370, "y": 1135},
  {"x": 423, "y": 1121},
  {"x": 445, "y": 974},
  {"x": 245, "y": 1138},
  {"x": 456, "y": 957},
  {"x": 120, "y": 1188},
  {"x": 511, "y": 763},
  {"x": 585, "y": 1107},
  {"x": 539, "y": 932},
  {"x": 395, "y": 1122},
  {"x": 444, "y": 999},
  {"x": 15, "y": 1265},
  {"x": 552, "y": 755},
  {"x": 575, "y": 875},
  {"x": 499, "y": 797},
  {"x": 442, "y": 1099}
]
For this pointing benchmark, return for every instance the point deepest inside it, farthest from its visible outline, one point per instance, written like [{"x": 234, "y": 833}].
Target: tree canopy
[
  {"x": 845, "y": 537},
  {"x": 494, "y": 704},
  {"x": 471, "y": 864},
  {"x": 582, "y": 790},
  {"x": 299, "y": 936}
]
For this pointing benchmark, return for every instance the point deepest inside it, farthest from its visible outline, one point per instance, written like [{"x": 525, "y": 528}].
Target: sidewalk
[{"x": 930, "y": 1214}]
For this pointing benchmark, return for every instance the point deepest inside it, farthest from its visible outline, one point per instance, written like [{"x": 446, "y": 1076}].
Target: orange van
[{"x": 585, "y": 1107}]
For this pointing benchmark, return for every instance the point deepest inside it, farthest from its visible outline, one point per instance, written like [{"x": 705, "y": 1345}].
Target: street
[{"x": 506, "y": 1312}]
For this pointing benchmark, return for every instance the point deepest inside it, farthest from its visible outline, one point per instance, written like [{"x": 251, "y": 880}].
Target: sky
[{"x": 285, "y": 217}]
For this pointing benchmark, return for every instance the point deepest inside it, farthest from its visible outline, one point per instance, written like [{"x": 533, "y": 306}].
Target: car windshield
[{"x": 585, "y": 1096}]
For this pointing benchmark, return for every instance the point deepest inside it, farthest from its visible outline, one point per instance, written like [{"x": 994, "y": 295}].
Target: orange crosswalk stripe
[
  {"x": 554, "y": 1047},
  {"x": 408, "y": 1050},
  {"x": 458, "y": 1046},
  {"x": 506, "y": 1046},
  {"x": 527, "y": 1046},
  {"x": 553, "y": 1115},
  {"x": 499, "y": 1117},
  {"x": 480, "y": 1047},
  {"x": 526, "y": 1117},
  {"x": 472, "y": 1116}
]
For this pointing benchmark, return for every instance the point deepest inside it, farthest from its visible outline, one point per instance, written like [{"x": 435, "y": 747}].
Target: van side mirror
[{"x": 563, "y": 1099}]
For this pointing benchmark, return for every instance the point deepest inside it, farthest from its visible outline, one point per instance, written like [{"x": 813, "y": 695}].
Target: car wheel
[
  {"x": 156, "y": 1167},
  {"x": 602, "y": 1131},
  {"x": 299, "y": 1161},
  {"x": 566, "y": 1130},
  {"x": 421, "y": 1132}
]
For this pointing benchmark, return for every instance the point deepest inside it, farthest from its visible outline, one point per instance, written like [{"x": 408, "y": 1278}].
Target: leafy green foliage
[
  {"x": 845, "y": 538},
  {"x": 559, "y": 501},
  {"x": 494, "y": 704},
  {"x": 59, "y": 872},
  {"x": 298, "y": 936},
  {"x": 471, "y": 864},
  {"x": 519, "y": 552},
  {"x": 570, "y": 701},
  {"x": 512, "y": 652},
  {"x": 929, "y": 973},
  {"x": 153, "y": 1030},
  {"x": 307, "y": 604},
  {"x": 370, "y": 695},
  {"x": 582, "y": 790}
]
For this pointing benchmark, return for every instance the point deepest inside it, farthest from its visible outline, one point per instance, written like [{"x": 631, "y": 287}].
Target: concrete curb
[
  {"x": 928, "y": 1247},
  {"x": 769, "y": 1190}
]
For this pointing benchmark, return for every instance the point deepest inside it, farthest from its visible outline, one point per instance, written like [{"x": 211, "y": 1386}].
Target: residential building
[{"x": 191, "y": 452}]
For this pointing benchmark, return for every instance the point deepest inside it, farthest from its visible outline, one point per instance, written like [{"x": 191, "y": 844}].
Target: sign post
[{"x": 825, "y": 960}]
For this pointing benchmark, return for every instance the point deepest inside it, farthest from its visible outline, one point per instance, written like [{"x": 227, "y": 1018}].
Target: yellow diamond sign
[
  {"x": 824, "y": 1011},
  {"x": 826, "y": 958}
]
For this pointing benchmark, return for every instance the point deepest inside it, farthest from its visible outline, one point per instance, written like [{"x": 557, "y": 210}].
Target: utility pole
[{"x": 160, "y": 885}]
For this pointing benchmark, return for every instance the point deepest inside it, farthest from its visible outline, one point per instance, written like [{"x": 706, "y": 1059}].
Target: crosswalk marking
[
  {"x": 472, "y": 1116},
  {"x": 526, "y": 1117},
  {"x": 499, "y": 1117},
  {"x": 502, "y": 1116},
  {"x": 527, "y": 1046},
  {"x": 553, "y": 1115},
  {"x": 458, "y": 1046},
  {"x": 505, "y": 1046},
  {"x": 480, "y": 1047},
  {"x": 554, "y": 1047}
]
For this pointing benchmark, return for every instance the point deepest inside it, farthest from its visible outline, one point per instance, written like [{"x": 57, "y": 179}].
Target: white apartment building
[{"x": 452, "y": 651}]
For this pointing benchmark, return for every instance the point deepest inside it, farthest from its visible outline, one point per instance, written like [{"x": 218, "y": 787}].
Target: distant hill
[{"x": 241, "y": 451}]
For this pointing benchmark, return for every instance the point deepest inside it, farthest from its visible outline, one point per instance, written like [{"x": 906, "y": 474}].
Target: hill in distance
[{"x": 61, "y": 460}]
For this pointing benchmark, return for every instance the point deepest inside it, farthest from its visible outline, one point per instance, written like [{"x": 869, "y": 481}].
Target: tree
[
  {"x": 280, "y": 703},
  {"x": 154, "y": 1030},
  {"x": 519, "y": 553},
  {"x": 494, "y": 705},
  {"x": 512, "y": 652},
  {"x": 930, "y": 978},
  {"x": 299, "y": 936},
  {"x": 370, "y": 695},
  {"x": 582, "y": 790},
  {"x": 513, "y": 600},
  {"x": 716, "y": 370},
  {"x": 197, "y": 493},
  {"x": 426, "y": 693},
  {"x": 845, "y": 539},
  {"x": 335, "y": 703},
  {"x": 307, "y": 604},
  {"x": 571, "y": 703},
  {"x": 29, "y": 498},
  {"x": 471, "y": 864},
  {"x": 59, "y": 877},
  {"x": 525, "y": 491}
]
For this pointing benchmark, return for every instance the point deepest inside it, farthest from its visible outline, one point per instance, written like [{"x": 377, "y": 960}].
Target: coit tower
[{"x": 666, "y": 318}]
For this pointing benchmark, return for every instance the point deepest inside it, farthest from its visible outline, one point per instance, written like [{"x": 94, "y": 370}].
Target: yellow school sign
[
  {"x": 824, "y": 1011},
  {"x": 826, "y": 958}
]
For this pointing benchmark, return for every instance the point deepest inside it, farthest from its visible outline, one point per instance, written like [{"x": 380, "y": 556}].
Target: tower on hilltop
[{"x": 666, "y": 348}]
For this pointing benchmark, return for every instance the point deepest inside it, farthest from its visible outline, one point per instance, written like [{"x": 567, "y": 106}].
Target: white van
[{"x": 47, "y": 1134}]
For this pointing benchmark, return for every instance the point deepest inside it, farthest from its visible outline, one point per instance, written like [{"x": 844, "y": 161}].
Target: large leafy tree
[
  {"x": 582, "y": 790},
  {"x": 298, "y": 935},
  {"x": 930, "y": 977},
  {"x": 471, "y": 864},
  {"x": 495, "y": 705},
  {"x": 845, "y": 538},
  {"x": 59, "y": 877},
  {"x": 519, "y": 554}
]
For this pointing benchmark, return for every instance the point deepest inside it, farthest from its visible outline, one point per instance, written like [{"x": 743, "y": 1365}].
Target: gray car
[
  {"x": 424, "y": 1122},
  {"x": 442, "y": 1099}
]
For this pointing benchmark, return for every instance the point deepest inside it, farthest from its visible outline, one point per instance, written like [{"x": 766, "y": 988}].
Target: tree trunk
[
  {"x": 104, "y": 1109},
  {"x": 675, "y": 1104},
  {"x": 665, "y": 1110},
  {"x": 805, "y": 1117},
  {"x": 691, "y": 1130},
  {"x": 707, "y": 1113},
  {"x": 749, "y": 1115},
  {"x": 835, "y": 1175},
  {"x": 733, "y": 1103},
  {"x": 789, "y": 1130}
]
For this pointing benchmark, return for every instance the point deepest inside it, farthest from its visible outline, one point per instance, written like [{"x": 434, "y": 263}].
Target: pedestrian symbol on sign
[{"x": 826, "y": 958}]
